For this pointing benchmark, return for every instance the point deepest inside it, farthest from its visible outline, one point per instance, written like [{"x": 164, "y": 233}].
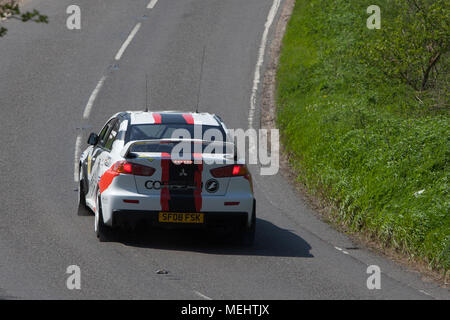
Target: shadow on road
[
  {"x": 270, "y": 241},
  {"x": 4, "y": 296}
]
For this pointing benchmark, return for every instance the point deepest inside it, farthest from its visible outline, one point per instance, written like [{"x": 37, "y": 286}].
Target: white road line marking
[
  {"x": 128, "y": 41},
  {"x": 87, "y": 110},
  {"x": 152, "y": 4},
  {"x": 202, "y": 295},
  {"x": 262, "y": 48},
  {"x": 341, "y": 250},
  {"x": 424, "y": 292},
  {"x": 76, "y": 158}
]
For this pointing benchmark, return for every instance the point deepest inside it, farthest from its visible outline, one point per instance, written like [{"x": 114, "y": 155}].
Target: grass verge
[{"x": 365, "y": 142}]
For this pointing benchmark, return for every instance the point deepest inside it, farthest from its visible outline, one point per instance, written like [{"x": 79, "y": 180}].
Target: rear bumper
[
  {"x": 150, "y": 218},
  {"x": 148, "y": 206}
]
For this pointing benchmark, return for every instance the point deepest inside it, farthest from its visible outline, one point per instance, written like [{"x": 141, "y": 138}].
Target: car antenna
[
  {"x": 200, "y": 82},
  {"x": 146, "y": 92}
]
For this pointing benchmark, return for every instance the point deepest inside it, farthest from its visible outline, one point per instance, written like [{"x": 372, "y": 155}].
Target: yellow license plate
[{"x": 175, "y": 217}]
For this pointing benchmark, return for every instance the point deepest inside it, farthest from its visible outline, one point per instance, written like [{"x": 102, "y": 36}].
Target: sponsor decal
[
  {"x": 146, "y": 158},
  {"x": 212, "y": 185},
  {"x": 89, "y": 165},
  {"x": 158, "y": 185},
  {"x": 182, "y": 162}
]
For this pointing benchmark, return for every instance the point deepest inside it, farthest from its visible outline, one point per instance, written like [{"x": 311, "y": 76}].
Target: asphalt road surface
[{"x": 47, "y": 76}]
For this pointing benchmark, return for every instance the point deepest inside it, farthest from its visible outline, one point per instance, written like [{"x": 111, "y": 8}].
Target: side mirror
[{"x": 93, "y": 139}]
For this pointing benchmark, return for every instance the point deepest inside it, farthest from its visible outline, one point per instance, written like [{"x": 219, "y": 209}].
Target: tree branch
[
  {"x": 431, "y": 64},
  {"x": 12, "y": 11}
]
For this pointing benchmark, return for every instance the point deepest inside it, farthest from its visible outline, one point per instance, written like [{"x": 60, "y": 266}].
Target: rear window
[{"x": 165, "y": 131}]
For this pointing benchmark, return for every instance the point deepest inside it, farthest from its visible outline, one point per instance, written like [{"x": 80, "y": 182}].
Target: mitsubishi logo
[{"x": 183, "y": 173}]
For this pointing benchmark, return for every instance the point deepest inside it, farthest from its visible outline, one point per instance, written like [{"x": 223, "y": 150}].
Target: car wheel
[
  {"x": 100, "y": 227},
  {"x": 82, "y": 207},
  {"x": 81, "y": 195}
]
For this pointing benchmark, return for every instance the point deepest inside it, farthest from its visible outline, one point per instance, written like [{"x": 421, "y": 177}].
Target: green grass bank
[{"x": 364, "y": 140}]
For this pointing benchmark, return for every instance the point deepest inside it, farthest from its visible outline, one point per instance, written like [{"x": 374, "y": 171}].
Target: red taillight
[
  {"x": 125, "y": 167},
  {"x": 230, "y": 171}
]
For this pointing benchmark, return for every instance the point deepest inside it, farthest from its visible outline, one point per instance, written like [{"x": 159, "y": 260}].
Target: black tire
[
  {"x": 83, "y": 210},
  {"x": 247, "y": 235},
  {"x": 81, "y": 195},
  {"x": 101, "y": 230}
]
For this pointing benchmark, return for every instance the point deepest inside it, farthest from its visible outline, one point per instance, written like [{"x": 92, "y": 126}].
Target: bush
[{"x": 412, "y": 44}]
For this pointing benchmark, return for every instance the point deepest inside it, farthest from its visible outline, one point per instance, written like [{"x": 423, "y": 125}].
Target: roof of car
[{"x": 172, "y": 117}]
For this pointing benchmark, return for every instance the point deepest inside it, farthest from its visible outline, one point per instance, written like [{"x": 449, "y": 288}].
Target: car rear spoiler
[{"x": 125, "y": 153}]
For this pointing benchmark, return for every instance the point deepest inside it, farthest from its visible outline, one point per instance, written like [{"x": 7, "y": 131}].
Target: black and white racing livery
[{"x": 129, "y": 175}]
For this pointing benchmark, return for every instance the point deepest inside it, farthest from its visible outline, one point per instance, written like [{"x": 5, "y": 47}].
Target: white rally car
[{"x": 129, "y": 175}]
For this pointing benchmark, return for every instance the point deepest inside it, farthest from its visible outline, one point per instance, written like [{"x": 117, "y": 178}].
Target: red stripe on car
[
  {"x": 106, "y": 180},
  {"x": 157, "y": 118},
  {"x": 189, "y": 118},
  {"x": 165, "y": 193},
  {"x": 198, "y": 183}
]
